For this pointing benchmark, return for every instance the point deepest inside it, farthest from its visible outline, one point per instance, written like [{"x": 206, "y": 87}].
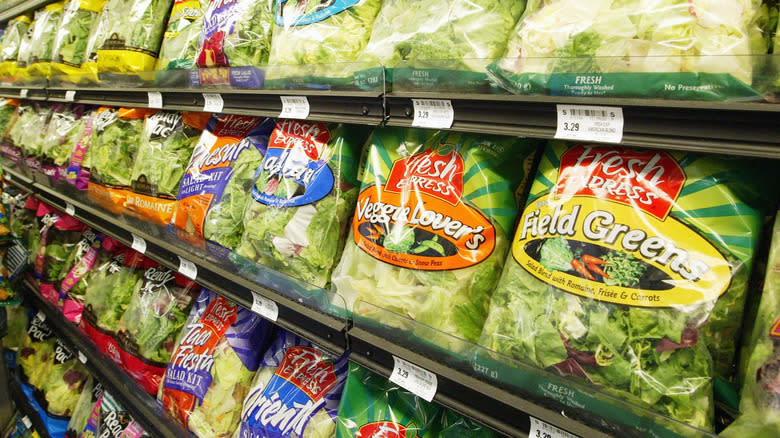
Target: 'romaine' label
[
  {"x": 294, "y": 171},
  {"x": 418, "y": 219},
  {"x": 303, "y": 12}
]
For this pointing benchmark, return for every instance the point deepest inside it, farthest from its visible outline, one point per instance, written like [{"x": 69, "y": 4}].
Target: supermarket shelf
[
  {"x": 20, "y": 400},
  {"x": 296, "y": 314},
  {"x": 34, "y": 92},
  {"x": 143, "y": 407},
  {"x": 22, "y": 6},
  {"x": 738, "y": 128}
]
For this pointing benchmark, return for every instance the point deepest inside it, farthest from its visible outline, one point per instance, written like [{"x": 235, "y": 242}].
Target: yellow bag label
[{"x": 124, "y": 61}]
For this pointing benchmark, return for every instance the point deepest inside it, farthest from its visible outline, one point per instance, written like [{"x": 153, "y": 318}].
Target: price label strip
[
  {"x": 541, "y": 429},
  {"x": 82, "y": 358},
  {"x": 155, "y": 99},
  {"x": 70, "y": 95},
  {"x": 23, "y": 93},
  {"x": 294, "y": 107},
  {"x": 590, "y": 123},
  {"x": 264, "y": 307},
  {"x": 418, "y": 381},
  {"x": 27, "y": 422},
  {"x": 70, "y": 209},
  {"x": 212, "y": 102},
  {"x": 139, "y": 244},
  {"x": 188, "y": 269},
  {"x": 433, "y": 113}
]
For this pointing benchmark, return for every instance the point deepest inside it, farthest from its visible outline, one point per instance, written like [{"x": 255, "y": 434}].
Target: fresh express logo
[
  {"x": 386, "y": 429},
  {"x": 438, "y": 173},
  {"x": 308, "y": 369},
  {"x": 310, "y": 138},
  {"x": 195, "y": 350},
  {"x": 235, "y": 126},
  {"x": 649, "y": 180},
  {"x": 161, "y": 125}
]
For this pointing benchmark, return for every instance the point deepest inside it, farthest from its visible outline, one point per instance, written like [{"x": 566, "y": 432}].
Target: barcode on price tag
[
  {"x": 212, "y": 102},
  {"x": 419, "y": 381},
  {"x": 541, "y": 429},
  {"x": 82, "y": 358},
  {"x": 26, "y": 421},
  {"x": 294, "y": 107},
  {"x": 23, "y": 93},
  {"x": 139, "y": 244},
  {"x": 433, "y": 113},
  {"x": 187, "y": 268},
  {"x": 70, "y": 209},
  {"x": 70, "y": 95},
  {"x": 590, "y": 123},
  {"x": 155, "y": 99},
  {"x": 264, "y": 307}
]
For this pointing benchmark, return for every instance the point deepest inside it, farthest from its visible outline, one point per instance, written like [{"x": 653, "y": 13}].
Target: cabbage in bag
[
  {"x": 303, "y": 195},
  {"x": 430, "y": 230},
  {"x": 629, "y": 269}
]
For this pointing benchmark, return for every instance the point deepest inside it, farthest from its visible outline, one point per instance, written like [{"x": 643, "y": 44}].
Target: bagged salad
[
  {"x": 305, "y": 381},
  {"x": 431, "y": 227},
  {"x": 466, "y": 33},
  {"x": 64, "y": 382},
  {"x": 24, "y": 223},
  {"x": 60, "y": 234},
  {"x": 71, "y": 41},
  {"x": 13, "y": 135},
  {"x": 28, "y": 133},
  {"x": 13, "y": 35},
  {"x": 318, "y": 41},
  {"x": 132, "y": 35},
  {"x": 148, "y": 329},
  {"x": 77, "y": 172},
  {"x": 675, "y": 49},
  {"x": 20, "y": 71},
  {"x": 162, "y": 156},
  {"x": 91, "y": 393},
  {"x": 211, "y": 369},
  {"x": 42, "y": 43},
  {"x": 371, "y": 406},
  {"x": 629, "y": 269},
  {"x": 180, "y": 41},
  {"x": 7, "y": 114},
  {"x": 216, "y": 184},
  {"x": 35, "y": 356},
  {"x": 303, "y": 195},
  {"x": 63, "y": 133}
]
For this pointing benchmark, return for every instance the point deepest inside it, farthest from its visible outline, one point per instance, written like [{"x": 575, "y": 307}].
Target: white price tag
[
  {"x": 187, "y": 268},
  {"x": 212, "y": 102},
  {"x": 41, "y": 315},
  {"x": 27, "y": 422},
  {"x": 139, "y": 244},
  {"x": 8, "y": 177},
  {"x": 155, "y": 99},
  {"x": 590, "y": 123},
  {"x": 70, "y": 209},
  {"x": 70, "y": 95},
  {"x": 433, "y": 113},
  {"x": 294, "y": 107},
  {"x": 82, "y": 358},
  {"x": 264, "y": 307},
  {"x": 23, "y": 93},
  {"x": 420, "y": 382},
  {"x": 540, "y": 429}
]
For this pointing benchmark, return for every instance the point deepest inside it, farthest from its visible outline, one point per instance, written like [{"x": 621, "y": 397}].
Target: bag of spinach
[
  {"x": 42, "y": 43},
  {"x": 629, "y": 269},
  {"x": 303, "y": 195},
  {"x": 72, "y": 38},
  {"x": 13, "y": 35}
]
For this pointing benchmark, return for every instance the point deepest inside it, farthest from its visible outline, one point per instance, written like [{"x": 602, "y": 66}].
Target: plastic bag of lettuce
[
  {"x": 72, "y": 37},
  {"x": 180, "y": 41},
  {"x": 431, "y": 227},
  {"x": 303, "y": 195}
]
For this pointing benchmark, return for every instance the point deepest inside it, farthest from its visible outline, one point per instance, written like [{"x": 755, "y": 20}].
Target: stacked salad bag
[
  {"x": 180, "y": 41},
  {"x": 211, "y": 369},
  {"x": 305, "y": 381},
  {"x": 162, "y": 157},
  {"x": 63, "y": 133},
  {"x": 676, "y": 49},
  {"x": 468, "y": 34},
  {"x": 71, "y": 42},
  {"x": 27, "y": 133},
  {"x": 216, "y": 184},
  {"x": 13, "y": 135},
  {"x": 9, "y": 112},
  {"x": 42, "y": 43},
  {"x": 92, "y": 392},
  {"x": 760, "y": 401},
  {"x": 24, "y": 223},
  {"x": 60, "y": 233},
  {"x": 13, "y": 35},
  {"x": 302, "y": 197},
  {"x": 431, "y": 228},
  {"x": 316, "y": 42},
  {"x": 629, "y": 269},
  {"x": 20, "y": 72},
  {"x": 237, "y": 35}
]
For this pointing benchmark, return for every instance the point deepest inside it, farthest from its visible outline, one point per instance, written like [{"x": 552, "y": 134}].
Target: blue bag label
[{"x": 303, "y": 12}]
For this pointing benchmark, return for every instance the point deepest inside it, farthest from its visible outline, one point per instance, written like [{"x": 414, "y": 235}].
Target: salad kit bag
[
  {"x": 469, "y": 33},
  {"x": 216, "y": 184},
  {"x": 180, "y": 41},
  {"x": 302, "y": 197},
  {"x": 305, "y": 381},
  {"x": 42, "y": 43},
  {"x": 315, "y": 44},
  {"x": 109, "y": 291},
  {"x": 63, "y": 133},
  {"x": 112, "y": 153},
  {"x": 235, "y": 35},
  {"x": 676, "y": 50},
  {"x": 13, "y": 35},
  {"x": 629, "y": 269},
  {"x": 148, "y": 329},
  {"x": 165, "y": 149},
  {"x": 133, "y": 32},
  {"x": 71, "y": 41},
  {"x": 59, "y": 236},
  {"x": 371, "y": 405},
  {"x": 760, "y": 401},
  {"x": 212, "y": 367},
  {"x": 431, "y": 228},
  {"x": 77, "y": 172},
  {"x": 91, "y": 393}
]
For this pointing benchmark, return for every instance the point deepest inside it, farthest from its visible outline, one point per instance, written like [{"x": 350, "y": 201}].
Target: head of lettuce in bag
[
  {"x": 215, "y": 187},
  {"x": 303, "y": 195},
  {"x": 430, "y": 230},
  {"x": 629, "y": 269}
]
